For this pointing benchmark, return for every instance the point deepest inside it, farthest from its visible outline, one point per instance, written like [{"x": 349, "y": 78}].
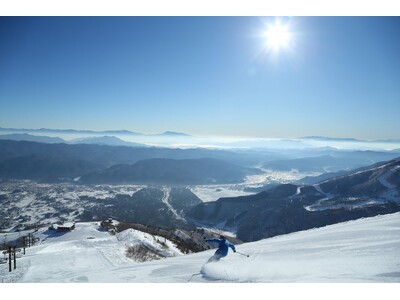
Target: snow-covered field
[
  {"x": 274, "y": 176},
  {"x": 208, "y": 193}
]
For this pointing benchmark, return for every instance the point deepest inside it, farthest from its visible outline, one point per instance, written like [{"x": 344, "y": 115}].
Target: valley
[
  {"x": 26, "y": 203},
  {"x": 252, "y": 194}
]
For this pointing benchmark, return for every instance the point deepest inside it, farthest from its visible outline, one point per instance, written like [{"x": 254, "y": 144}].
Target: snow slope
[{"x": 365, "y": 250}]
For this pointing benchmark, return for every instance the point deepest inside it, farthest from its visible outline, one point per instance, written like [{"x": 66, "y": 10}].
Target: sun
[
  {"x": 278, "y": 41},
  {"x": 277, "y": 36}
]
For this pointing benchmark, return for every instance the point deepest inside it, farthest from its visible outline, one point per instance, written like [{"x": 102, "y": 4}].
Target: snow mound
[{"x": 158, "y": 245}]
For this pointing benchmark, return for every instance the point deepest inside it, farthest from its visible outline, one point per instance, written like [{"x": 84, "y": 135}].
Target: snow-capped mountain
[
  {"x": 379, "y": 183},
  {"x": 364, "y": 250}
]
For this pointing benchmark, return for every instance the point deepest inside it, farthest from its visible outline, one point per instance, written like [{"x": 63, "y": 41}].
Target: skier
[{"x": 223, "y": 247}]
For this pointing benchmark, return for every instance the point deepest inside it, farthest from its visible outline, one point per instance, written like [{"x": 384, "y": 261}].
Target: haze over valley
[{"x": 47, "y": 182}]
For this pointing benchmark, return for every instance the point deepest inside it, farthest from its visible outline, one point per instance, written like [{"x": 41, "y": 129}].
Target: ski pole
[
  {"x": 190, "y": 279},
  {"x": 242, "y": 254}
]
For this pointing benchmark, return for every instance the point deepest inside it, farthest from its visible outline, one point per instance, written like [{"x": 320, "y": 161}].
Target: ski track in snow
[
  {"x": 317, "y": 186},
  {"x": 391, "y": 194},
  {"x": 365, "y": 250},
  {"x": 383, "y": 179},
  {"x": 165, "y": 199},
  {"x": 298, "y": 191},
  {"x": 316, "y": 205},
  {"x": 359, "y": 172}
]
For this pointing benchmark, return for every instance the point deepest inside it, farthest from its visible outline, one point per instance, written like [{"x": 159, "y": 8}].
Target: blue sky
[{"x": 209, "y": 76}]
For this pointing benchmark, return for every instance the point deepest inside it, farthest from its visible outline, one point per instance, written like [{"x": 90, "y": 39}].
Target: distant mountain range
[
  {"x": 256, "y": 142},
  {"x": 91, "y": 132},
  {"x": 105, "y": 140},
  {"x": 31, "y": 138},
  {"x": 335, "y": 161},
  {"x": 172, "y": 133},
  {"x": 29, "y": 160},
  {"x": 98, "y": 140},
  {"x": 324, "y": 138},
  {"x": 45, "y": 168},
  {"x": 288, "y": 208},
  {"x": 172, "y": 172},
  {"x": 96, "y": 154},
  {"x": 183, "y": 140}
]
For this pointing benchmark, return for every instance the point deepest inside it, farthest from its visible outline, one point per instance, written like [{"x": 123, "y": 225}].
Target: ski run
[
  {"x": 365, "y": 250},
  {"x": 361, "y": 251}
]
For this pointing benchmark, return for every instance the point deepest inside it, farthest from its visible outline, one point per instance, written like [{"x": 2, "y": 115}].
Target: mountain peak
[
  {"x": 325, "y": 138},
  {"x": 173, "y": 133},
  {"x": 105, "y": 140}
]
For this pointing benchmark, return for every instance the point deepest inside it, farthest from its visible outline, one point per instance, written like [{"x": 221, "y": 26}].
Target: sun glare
[{"x": 277, "y": 36}]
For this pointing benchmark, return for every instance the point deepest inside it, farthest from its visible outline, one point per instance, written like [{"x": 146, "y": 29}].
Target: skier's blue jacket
[{"x": 223, "y": 246}]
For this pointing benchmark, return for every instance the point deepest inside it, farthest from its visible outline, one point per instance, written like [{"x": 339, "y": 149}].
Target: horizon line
[{"x": 171, "y": 132}]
